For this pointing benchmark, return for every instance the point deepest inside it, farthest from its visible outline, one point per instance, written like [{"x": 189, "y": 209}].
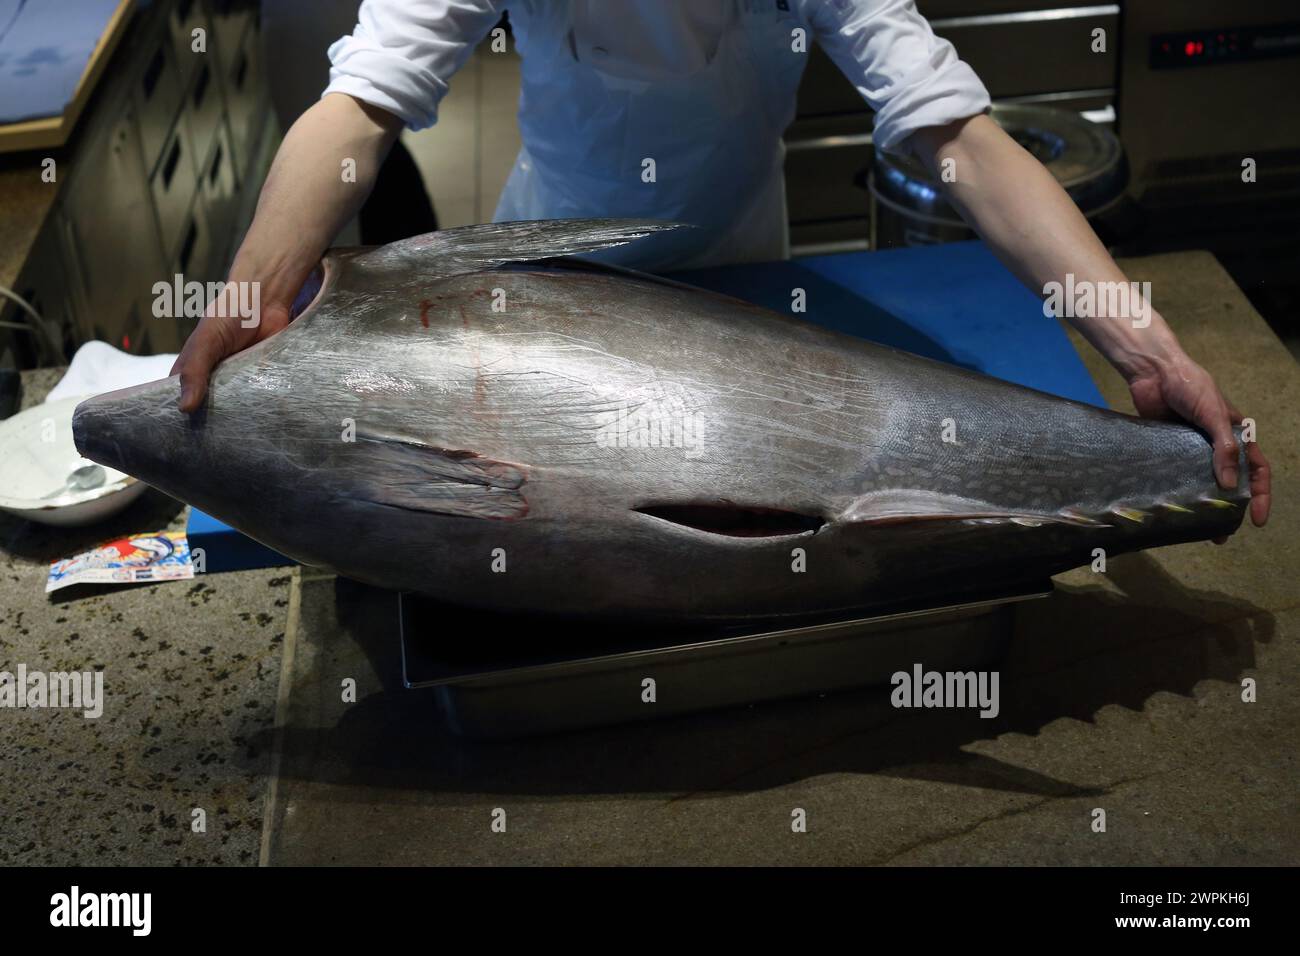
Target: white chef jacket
[{"x": 402, "y": 55}]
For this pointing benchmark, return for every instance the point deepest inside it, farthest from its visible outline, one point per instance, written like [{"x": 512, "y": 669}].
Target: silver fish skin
[{"x": 474, "y": 415}]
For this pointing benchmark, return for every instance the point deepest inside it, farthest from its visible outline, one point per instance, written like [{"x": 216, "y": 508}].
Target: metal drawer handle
[
  {"x": 173, "y": 160},
  {"x": 1026, "y": 16},
  {"x": 187, "y": 249},
  {"x": 153, "y": 73},
  {"x": 215, "y": 172},
  {"x": 201, "y": 87}
]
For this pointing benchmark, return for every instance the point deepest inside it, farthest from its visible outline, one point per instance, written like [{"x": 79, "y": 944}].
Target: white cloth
[
  {"x": 97, "y": 367},
  {"x": 704, "y": 88}
]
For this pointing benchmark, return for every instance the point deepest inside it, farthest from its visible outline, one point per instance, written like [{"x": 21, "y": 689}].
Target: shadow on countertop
[{"x": 1082, "y": 650}]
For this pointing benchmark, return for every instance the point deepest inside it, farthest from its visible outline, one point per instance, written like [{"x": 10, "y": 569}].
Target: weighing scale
[{"x": 519, "y": 679}]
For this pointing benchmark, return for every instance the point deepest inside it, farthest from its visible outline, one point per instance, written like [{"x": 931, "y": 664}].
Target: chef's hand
[
  {"x": 1034, "y": 227},
  {"x": 304, "y": 203},
  {"x": 223, "y": 331},
  {"x": 1177, "y": 386}
]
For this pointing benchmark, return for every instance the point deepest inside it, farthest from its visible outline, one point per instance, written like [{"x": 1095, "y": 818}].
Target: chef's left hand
[{"x": 1177, "y": 386}]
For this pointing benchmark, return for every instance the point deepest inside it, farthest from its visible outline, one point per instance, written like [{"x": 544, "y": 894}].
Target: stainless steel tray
[{"x": 518, "y": 679}]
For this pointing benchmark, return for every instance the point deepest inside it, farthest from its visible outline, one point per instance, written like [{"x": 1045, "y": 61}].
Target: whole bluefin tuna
[{"x": 469, "y": 415}]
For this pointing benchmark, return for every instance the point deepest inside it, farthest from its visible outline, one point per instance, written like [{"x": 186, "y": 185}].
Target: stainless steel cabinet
[
  {"x": 108, "y": 212},
  {"x": 157, "y": 91},
  {"x": 161, "y": 176},
  {"x": 174, "y": 185},
  {"x": 1038, "y": 51},
  {"x": 206, "y": 109},
  {"x": 220, "y": 201},
  {"x": 246, "y": 97},
  {"x": 188, "y": 16},
  {"x": 1031, "y": 51}
]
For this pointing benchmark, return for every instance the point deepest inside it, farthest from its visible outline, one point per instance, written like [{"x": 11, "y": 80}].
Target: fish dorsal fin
[{"x": 475, "y": 248}]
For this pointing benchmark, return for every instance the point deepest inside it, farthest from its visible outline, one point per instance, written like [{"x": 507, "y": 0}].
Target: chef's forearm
[
  {"x": 1033, "y": 226},
  {"x": 321, "y": 176}
]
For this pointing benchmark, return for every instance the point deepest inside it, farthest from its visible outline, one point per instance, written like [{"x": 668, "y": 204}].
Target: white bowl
[{"x": 36, "y": 457}]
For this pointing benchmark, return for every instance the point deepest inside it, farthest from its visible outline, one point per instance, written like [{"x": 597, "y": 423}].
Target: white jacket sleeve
[
  {"x": 909, "y": 76},
  {"x": 402, "y": 54}
]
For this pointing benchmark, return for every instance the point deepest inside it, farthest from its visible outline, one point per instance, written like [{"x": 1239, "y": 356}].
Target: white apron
[{"x": 714, "y": 137}]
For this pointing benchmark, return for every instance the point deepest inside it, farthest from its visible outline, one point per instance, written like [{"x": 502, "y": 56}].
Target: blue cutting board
[{"x": 953, "y": 302}]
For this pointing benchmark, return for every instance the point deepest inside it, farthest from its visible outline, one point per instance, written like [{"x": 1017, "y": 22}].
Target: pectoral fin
[{"x": 406, "y": 473}]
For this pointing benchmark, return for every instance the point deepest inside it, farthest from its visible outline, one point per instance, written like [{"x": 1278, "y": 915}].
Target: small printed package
[{"x": 157, "y": 556}]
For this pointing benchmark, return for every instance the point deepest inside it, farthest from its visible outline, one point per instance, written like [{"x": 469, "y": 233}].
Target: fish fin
[
  {"x": 1217, "y": 502},
  {"x": 406, "y": 473},
  {"x": 475, "y": 248},
  {"x": 907, "y": 505}
]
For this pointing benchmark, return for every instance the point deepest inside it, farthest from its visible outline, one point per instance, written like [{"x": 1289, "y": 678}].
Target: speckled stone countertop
[{"x": 191, "y": 670}]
